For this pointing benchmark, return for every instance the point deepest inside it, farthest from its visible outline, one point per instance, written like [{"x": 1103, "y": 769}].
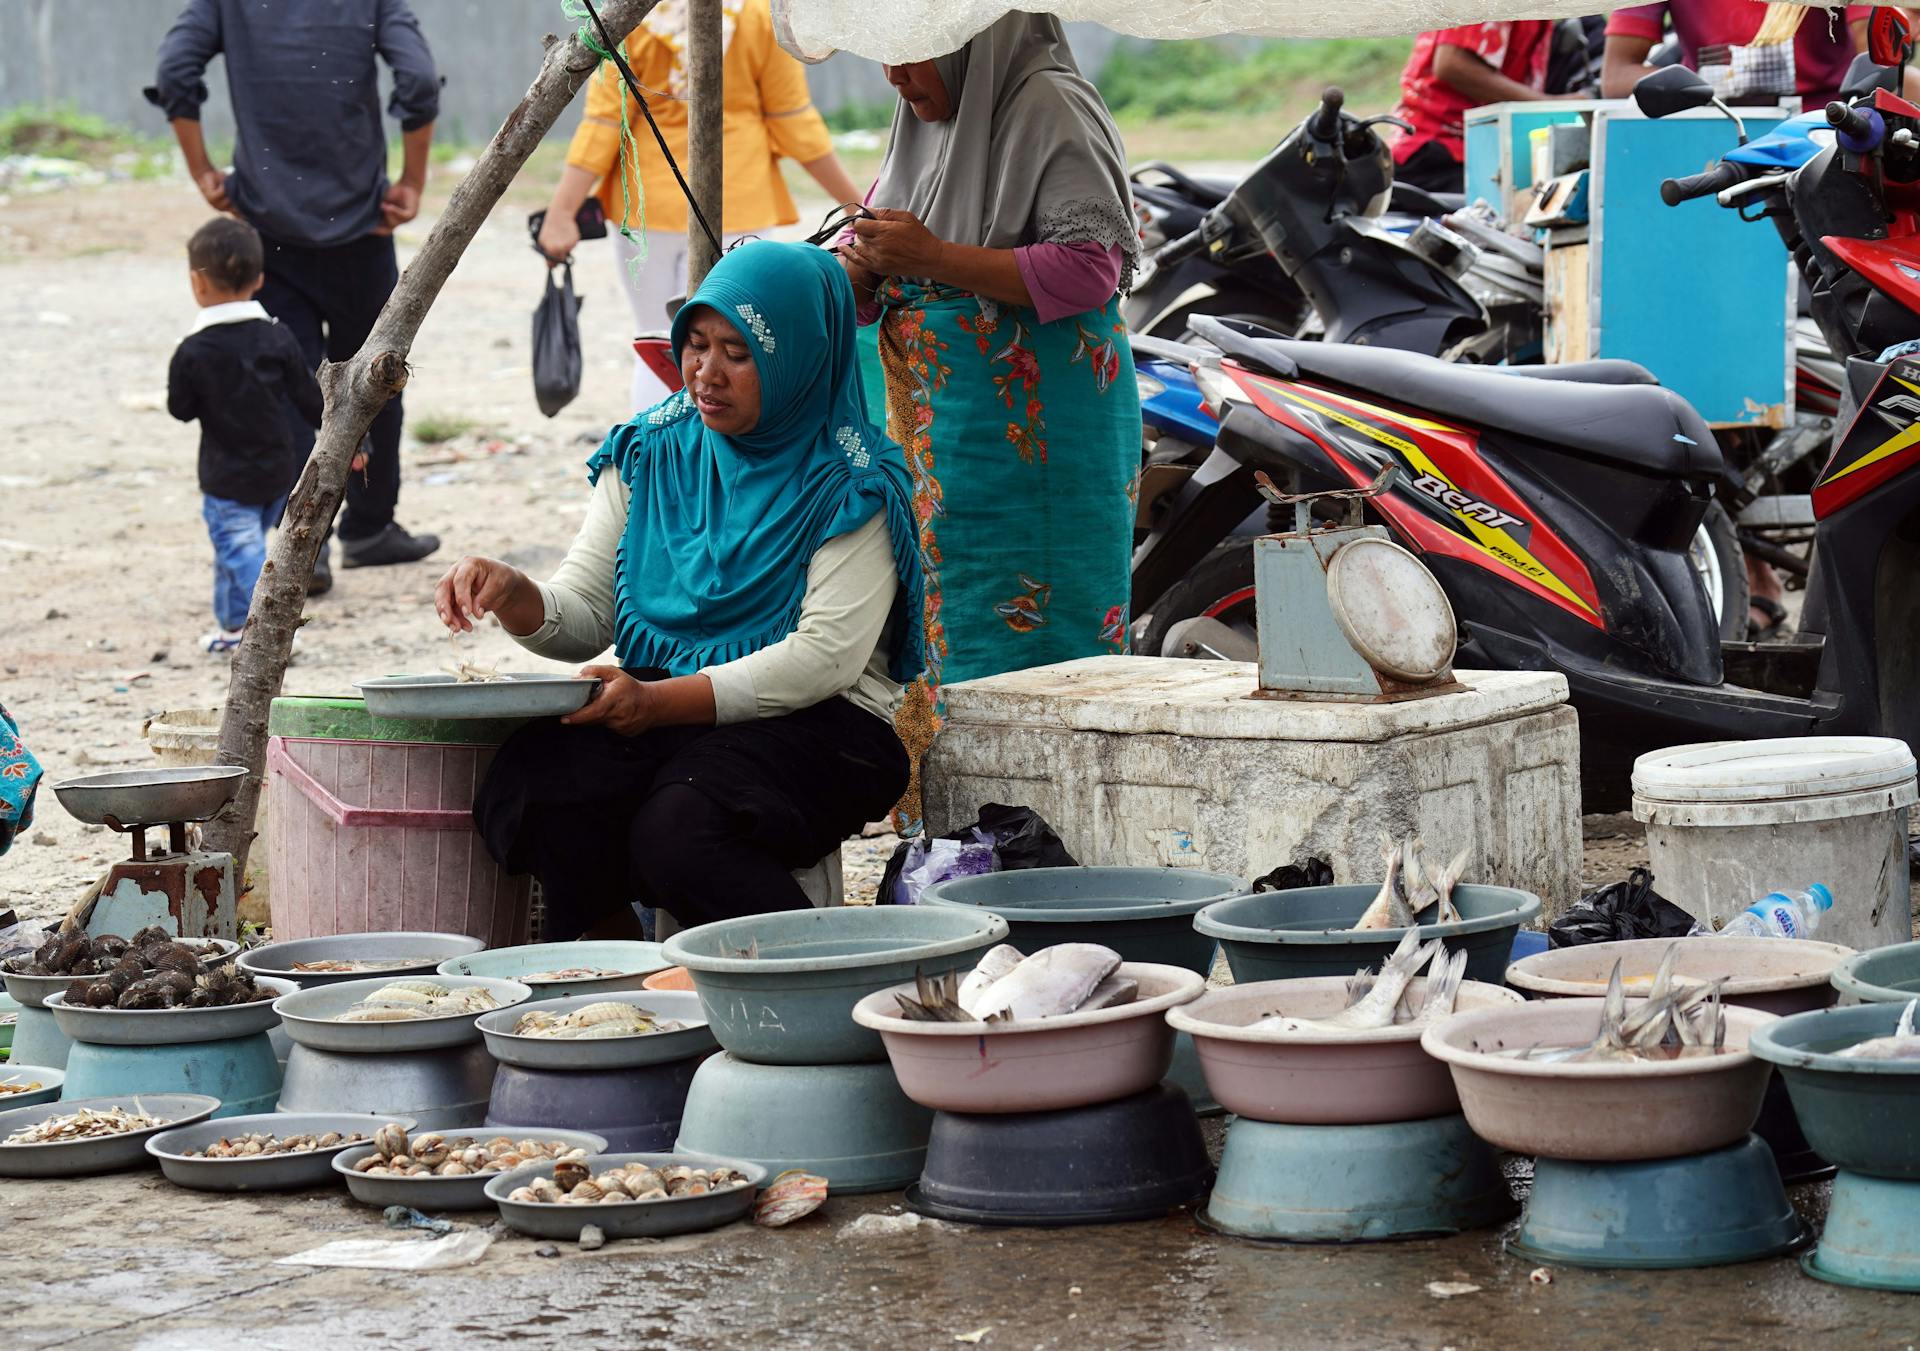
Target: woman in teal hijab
[{"x": 750, "y": 553}]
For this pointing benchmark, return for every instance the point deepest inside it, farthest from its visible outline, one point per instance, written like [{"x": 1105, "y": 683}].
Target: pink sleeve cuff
[{"x": 1069, "y": 279}]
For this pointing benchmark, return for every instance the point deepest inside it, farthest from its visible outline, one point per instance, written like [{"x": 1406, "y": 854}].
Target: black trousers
[
  {"x": 328, "y": 298},
  {"x": 706, "y": 823},
  {"x": 1432, "y": 168}
]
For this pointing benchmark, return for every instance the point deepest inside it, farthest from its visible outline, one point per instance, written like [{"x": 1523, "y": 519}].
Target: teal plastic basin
[
  {"x": 850, "y": 1124},
  {"x": 1701, "y": 1210},
  {"x": 1882, "y": 976},
  {"x": 1862, "y": 1116},
  {"x": 1869, "y": 1239},
  {"x": 1144, "y": 914},
  {"x": 1282, "y": 935},
  {"x": 792, "y": 1002}
]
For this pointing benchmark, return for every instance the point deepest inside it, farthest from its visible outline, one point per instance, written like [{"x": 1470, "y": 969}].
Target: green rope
[{"x": 629, "y": 147}]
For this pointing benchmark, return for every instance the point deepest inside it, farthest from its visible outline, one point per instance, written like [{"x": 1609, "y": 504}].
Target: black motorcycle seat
[
  {"x": 1621, "y": 419},
  {"x": 1606, "y": 371}
]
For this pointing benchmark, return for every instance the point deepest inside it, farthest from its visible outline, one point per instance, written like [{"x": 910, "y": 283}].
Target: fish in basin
[
  {"x": 1904, "y": 1044},
  {"x": 1413, "y": 887},
  {"x": 1381, "y": 999},
  {"x": 1675, "y": 1020},
  {"x": 1006, "y": 986}
]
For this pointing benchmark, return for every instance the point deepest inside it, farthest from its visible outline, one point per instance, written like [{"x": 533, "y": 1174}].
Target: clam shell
[{"x": 788, "y": 1197}]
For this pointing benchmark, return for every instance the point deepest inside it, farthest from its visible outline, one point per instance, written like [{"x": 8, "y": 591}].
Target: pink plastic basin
[
  {"x": 1605, "y": 1111},
  {"x": 1319, "y": 1078},
  {"x": 1774, "y": 975},
  {"x": 1039, "y": 1066}
]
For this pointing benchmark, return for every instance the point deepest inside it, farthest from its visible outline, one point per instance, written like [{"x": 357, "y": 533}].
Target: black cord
[{"x": 633, "y": 87}]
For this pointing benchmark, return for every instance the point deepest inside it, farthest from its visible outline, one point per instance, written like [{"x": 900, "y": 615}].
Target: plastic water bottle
[{"x": 1778, "y": 915}]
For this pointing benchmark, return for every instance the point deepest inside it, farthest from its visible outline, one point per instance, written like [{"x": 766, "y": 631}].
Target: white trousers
[{"x": 650, "y": 286}]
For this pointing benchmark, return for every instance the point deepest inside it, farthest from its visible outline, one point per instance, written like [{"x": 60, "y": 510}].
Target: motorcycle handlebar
[
  {"x": 1325, "y": 123},
  {"x": 1179, "y": 250},
  {"x": 1721, "y": 176},
  {"x": 1848, "y": 121}
]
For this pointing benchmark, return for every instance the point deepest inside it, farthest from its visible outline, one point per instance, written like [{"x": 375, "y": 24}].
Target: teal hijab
[{"x": 721, "y": 529}]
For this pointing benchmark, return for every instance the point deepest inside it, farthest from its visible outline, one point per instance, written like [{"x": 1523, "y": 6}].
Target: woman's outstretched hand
[
  {"x": 477, "y": 587},
  {"x": 623, "y": 705},
  {"x": 894, "y": 244}
]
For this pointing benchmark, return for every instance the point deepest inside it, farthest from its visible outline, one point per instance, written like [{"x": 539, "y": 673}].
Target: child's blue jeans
[{"x": 239, "y": 534}]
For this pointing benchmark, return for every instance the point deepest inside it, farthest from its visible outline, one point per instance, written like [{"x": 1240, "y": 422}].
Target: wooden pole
[
  {"x": 356, "y": 389},
  {"x": 706, "y": 79}
]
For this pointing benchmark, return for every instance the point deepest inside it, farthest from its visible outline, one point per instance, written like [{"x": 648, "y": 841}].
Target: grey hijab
[{"x": 1029, "y": 156}]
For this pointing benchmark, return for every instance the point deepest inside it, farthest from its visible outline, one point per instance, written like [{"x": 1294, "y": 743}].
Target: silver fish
[
  {"x": 1052, "y": 982},
  {"x": 1904, "y": 1044},
  {"x": 1443, "y": 985},
  {"x": 1111, "y": 993},
  {"x": 1376, "y": 1007},
  {"x": 1425, "y": 890},
  {"x": 994, "y": 964},
  {"x": 1388, "y": 909},
  {"x": 934, "y": 1000}
]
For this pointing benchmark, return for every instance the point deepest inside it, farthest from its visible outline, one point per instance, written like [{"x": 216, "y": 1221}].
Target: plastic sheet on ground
[
  {"x": 406, "y": 1254},
  {"x": 918, "y": 30}
]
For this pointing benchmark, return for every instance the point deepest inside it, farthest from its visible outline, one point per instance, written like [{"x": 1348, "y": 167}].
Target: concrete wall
[{"x": 97, "y": 55}]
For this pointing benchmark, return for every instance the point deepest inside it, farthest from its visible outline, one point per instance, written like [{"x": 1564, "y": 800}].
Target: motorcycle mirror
[
  {"x": 1672, "y": 90},
  {"x": 1865, "y": 75},
  {"x": 1889, "y": 36}
]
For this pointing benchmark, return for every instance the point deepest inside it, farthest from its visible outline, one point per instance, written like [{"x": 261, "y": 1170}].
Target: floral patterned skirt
[{"x": 1024, "y": 442}]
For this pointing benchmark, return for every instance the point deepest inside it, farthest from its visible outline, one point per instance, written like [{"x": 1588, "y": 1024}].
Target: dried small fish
[
  {"x": 571, "y": 973},
  {"x": 464, "y": 671},
  {"x": 334, "y": 965},
  {"x": 87, "y": 1123},
  {"x": 14, "y": 1085}
]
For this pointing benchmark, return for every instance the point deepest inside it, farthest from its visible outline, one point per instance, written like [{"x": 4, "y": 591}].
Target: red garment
[
  {"x": 1518, "y": 50},
  {"x": 1822, "y": 47}
]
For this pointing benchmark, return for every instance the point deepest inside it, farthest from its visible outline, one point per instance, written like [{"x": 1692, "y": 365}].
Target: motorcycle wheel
[
  {"x": 1220, "y": 587},
  {"x": 1721, "y": 566}
]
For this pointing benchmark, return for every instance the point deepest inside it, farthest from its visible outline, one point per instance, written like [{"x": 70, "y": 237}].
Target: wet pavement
[{"x": 132, "y": 1263}]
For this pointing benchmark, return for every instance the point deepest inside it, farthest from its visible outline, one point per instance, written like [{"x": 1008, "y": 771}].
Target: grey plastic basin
[
  {"x": 1144, "y": 914},
  {"x": 1882, "y": 976}
]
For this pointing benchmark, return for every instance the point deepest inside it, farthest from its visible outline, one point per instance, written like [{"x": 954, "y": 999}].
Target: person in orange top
[{"x": 769, "y": 117}]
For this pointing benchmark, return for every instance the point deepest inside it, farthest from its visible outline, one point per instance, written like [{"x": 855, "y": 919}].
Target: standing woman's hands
[{"x": 891, "y": 243}]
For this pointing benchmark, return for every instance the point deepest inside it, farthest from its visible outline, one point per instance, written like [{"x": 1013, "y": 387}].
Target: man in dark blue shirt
[{"x": 310, "y": 174}]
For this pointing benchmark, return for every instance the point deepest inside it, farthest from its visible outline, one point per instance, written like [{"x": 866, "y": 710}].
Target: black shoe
[
  {"x": 321, "y": 581},
  {"x": 392, "y": 545}
]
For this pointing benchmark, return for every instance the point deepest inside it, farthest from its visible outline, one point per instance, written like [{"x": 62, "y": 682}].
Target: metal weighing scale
[
  {"x": 1344, "y": 614},
  {"x": 183, "y": 888}
]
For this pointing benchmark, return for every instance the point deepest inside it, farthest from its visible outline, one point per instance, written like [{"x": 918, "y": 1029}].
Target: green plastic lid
[{"x": 345, "y": 718}]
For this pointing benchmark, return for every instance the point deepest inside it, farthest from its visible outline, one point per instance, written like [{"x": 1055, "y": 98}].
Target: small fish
[
  {"x": 937, "y": 1000},
  {"x": 1440, "y": 886},
  {"x": 1376, "y": 1008},
  {"x": 1443, "y": 984},
  {"x": 995, "y": 964},
  {"x": 1387, "y": 910},
  {"x": 1904, "y": 1044},
  {"x": 1053, "y": 981}
]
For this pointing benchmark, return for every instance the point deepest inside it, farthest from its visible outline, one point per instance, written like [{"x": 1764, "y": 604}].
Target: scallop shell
[
  {"x": 568, "y": 1174},
  {"x": 788, "y": 1197},
  {"x": 588, "y": 1190}
]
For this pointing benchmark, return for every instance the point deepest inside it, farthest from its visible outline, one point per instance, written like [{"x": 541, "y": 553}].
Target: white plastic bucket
[{"x": 1729, "y": 821}]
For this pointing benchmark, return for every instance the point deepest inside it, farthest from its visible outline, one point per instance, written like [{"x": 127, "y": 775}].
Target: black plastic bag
[
  {"x": 1315, "y": 872},
  {"x": 1015, "y": 837},
  {"x": 1624, "y": 910},
  {"x": 556, "y": 343}
]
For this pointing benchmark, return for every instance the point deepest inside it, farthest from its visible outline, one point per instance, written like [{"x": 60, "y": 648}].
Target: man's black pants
[{"x": 329, "y": 299}]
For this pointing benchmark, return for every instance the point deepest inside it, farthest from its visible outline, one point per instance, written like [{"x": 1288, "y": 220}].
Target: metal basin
[
  {"x": 629, "y": 1219},
  {"x": 792, "y": 1003},
  {"x": 1608, "y": 1111},
  {"x": 850, "y": 1124},
  {"x": 77, "y": 1158},
  {"x": 169, "y": 1027},
  {"x": 1041, "y": 1065},
  {"x": 516, "y": 694},
  {"x": 1320, "y": 1079},
  {"x": 265, "y": 1172},
  {"x": 605, "y": 1053},
  {"x": 436, "y": 1088},
  {"x": 1144, "y": 914},
  {"x": 1883, "y": 976},
  {"x": 151, "y": 797},
  {"x": 34, "y": 991},
  {"x": 634, "y": 960},
  {"x": 49, "y": 1079},
  {"x": 431, "y": 949},
  {"x": 1863, "y": 1116},
  {"x": 1133, "y": 1159},
  {"x": 447, "y": 1193},
  {"x": 1283, "y": 935},
  {"x": 1774, "y": 975},
  {"x": 308, "y": 1016}
]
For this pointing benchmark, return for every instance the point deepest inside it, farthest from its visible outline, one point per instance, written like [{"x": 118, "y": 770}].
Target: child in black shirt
[{"x": 236, "y": 372}]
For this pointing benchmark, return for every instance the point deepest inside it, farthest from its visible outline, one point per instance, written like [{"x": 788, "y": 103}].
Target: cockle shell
[
  {"x": 523, "y": 1194},
  {"x": 789, "y": 1196},
  {"x": 587, "y": 1190},
  {"x": 568, "y": 1174},
  {"x": 545, "y": 1189}
]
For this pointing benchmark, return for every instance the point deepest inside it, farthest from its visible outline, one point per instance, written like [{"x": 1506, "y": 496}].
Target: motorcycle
[{"x": 1557, "y": 505}]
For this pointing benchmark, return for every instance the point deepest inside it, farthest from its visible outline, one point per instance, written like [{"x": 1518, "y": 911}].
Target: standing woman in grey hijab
[{"x": 1003, "y": 234}]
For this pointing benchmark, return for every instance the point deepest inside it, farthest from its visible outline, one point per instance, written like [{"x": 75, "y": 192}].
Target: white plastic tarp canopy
[{"x": 917, "y": 30}]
